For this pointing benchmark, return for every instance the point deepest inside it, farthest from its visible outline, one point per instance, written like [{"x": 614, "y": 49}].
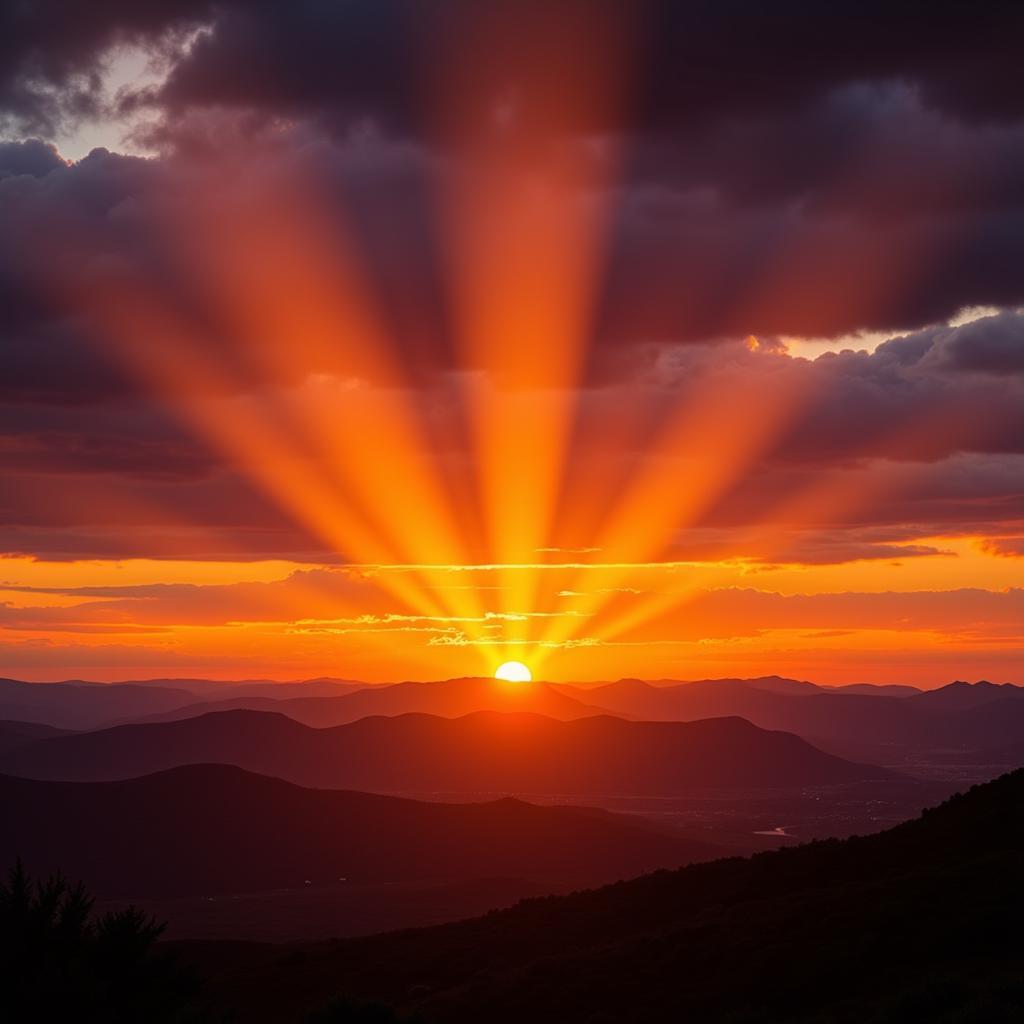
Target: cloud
[
  {"x": 52, "y": 53},
  {"x": 993, "y": 345},
  {"x": 802, "y": 172},
  {"x": 32, "y": 157},
  {"x": 961, "y": 613},
  {"x": 1004, "y": 547},
  {"x": 377, "y": 57}
]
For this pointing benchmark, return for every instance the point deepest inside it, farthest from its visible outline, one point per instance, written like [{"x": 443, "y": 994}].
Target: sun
[{"x": 513, "y": 672}]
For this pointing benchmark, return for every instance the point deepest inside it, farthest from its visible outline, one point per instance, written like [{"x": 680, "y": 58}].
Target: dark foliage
[{"x": 58, "y": 962}]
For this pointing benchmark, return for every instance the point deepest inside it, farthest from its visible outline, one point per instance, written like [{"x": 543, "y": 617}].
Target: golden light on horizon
[{"x": 513, "y": 672}]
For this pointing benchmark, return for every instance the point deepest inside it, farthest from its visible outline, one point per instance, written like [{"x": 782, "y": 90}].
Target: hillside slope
[{"x": 920, "y": 923}]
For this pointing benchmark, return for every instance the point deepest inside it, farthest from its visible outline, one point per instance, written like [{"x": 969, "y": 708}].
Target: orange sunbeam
[
  {"x": 527, "y": 221},
  {"x": 165, "y": 353},
  {"x": 654, "y": 506},
  {"x": 834, "y": 497},
  {"x": 705, "y": 440},
  {"x": 318, "y": 303}
]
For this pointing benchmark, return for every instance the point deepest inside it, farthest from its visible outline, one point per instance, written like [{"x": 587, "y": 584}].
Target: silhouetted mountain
[
  {"x": 448, "y": 698},
  {"x": 970, "y": 717},
  {"x": 772, "y": 684},
  {"x": 485, "y": 752},
  {"x": 878, "y": 722},
  {"x": 220, "y": 689},
  {"x": 81, "y": 705},
  {"x": 217, "y": 829},
  {"x": 961, "y": 696},
  {"x": 321, "y": 687},
  {"x": 17, "y": 734},
  {"x": 920, "y": 923},
  {"x": 296, "y": 708},
  {"x": 875, "y": 689}
]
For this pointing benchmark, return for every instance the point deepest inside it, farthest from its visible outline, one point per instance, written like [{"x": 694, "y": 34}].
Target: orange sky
[{"x": 924, "y": 620}]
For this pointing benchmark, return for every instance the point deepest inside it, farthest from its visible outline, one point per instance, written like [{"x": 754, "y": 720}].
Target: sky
[{"x": 389, "y": 340}]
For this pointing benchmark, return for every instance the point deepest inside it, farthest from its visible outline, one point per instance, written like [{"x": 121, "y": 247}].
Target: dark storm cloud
[
  {"x": 691, "y": 62},
  {"x": 991, "y": 345},
  {"x": 919, "y": 396},
  {"x": 50, "y": 52},
  {"x": 911, "y": 398},
  {"x": 795, "y": 170},
  {"x": 103, "y": 222},
  {"x": 789, "y": 169},
  {"x": 32, "y": 157},
  {"x": 45, "y": 206},
  {"x": 693, "y": 266}
]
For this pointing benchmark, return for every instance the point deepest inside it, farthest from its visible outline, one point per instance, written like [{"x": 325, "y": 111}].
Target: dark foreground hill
[
  {"x": 485, "y": 753},
  {"x": 215, "y": 829},
  {"x": 917, "y": 924}
]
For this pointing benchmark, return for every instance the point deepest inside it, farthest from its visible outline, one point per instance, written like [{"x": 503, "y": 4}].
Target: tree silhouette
[{"x": 59, "y": 962}]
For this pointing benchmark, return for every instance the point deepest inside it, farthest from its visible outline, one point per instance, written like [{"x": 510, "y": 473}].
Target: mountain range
[
  {"x": 80, "y": 704},
  {"x": 485, "y": 753},
  {"x": 450, "y": 698},
  {"x": 885, "y": 714},
  {"x": 889, "y": 725},
  {"x": 959, "y": 715}
]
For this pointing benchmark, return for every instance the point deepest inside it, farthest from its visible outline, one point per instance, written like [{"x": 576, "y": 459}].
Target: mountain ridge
[{"x": 483, "y": 752}]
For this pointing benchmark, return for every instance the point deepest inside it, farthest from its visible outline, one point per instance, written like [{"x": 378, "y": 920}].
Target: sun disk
[{"x": 513, "y": 672}]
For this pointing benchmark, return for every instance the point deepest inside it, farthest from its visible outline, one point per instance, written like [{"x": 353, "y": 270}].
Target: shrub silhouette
[{"x": 58, "y": 962}]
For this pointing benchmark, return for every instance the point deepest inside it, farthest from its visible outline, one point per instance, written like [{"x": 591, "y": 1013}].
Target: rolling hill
[
  {"x": 215, "y": 829},
  {"x": 78, "y": 704},
  {"x": 18, "y": 734},
  {"x": 483, "y": 753},
  {"x": 449, "y": 698},
  {"x": 81, "y": 705}
]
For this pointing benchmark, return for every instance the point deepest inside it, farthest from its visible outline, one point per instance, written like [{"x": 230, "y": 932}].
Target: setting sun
[{"x": 513, "y": 672}]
